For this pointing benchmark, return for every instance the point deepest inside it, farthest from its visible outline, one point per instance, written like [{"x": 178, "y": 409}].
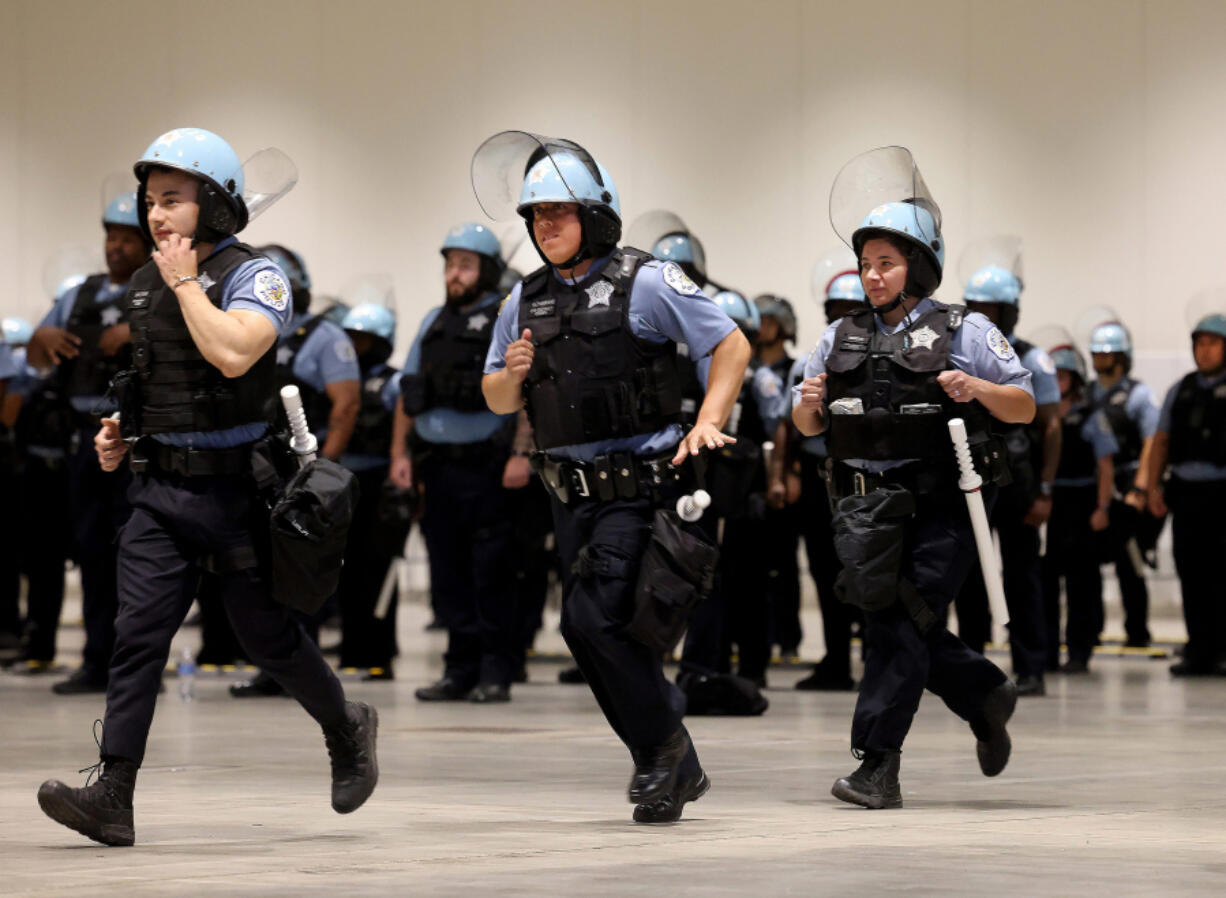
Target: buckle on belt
[
  {"x": 583, "y": 490},
  {"x": 859, "y": 486}
]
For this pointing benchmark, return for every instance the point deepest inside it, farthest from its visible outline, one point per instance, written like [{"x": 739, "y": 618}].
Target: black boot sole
[
  {"x": 59, "y": 807},
  {"x": 374, "y": 767},
  {"x": 644, "y": 813},
  {"x": 845, "y": 791},
  {"x": 994, "y": 755}
]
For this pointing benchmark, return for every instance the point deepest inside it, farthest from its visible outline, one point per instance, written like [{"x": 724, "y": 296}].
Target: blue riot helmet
[
  {"x": 740, "y": 310},
  {"x": 666, "y": 236},
  {"x": 881, "y": 193},
  {"x": 515, "y": 170},
  {"x": 377, "y": 321},
  {"x": 1067, "y": 358},
  {"x": 1111, "y": 337},
  {"x": 477, "y": 238},
  {"x": 295, "y": 271},
  {"x": 17, "y": 331},
  {"x": 991, "y": 272},
  {"x": 207, "y": 157},
  {"x": 1211, "y": 324},
  {"x": 770, "y": 305},
  {"x": 835, "y": 283},
  {"x": 846, "y": 287},
  {"x": 122, "y": 211},
  {"x": 1206, "y": 312},
  {"x": 993, "y": 284}
]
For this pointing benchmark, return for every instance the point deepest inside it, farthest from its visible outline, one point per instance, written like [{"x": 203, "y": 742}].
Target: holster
[
  {"x": 677, "y": 572},
  {"x": 125, "y": 387},
  {"x": 394, "y": 519}
]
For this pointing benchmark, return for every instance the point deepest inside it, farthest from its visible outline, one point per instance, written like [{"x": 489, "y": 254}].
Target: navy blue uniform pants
[
  {"x": 176, "y": 524},
  {"x": 366, "y": 640},
  {"x": 43, "y": 539},
  {"x": 625, "y": 675},
  {"x": 99, "y": 508},
  {"x": 1199, "y": 536},
  {"x": 1020, "y": 573},
  {"x": 468, "y": 538},
  {"x": 938, "y": 548},
  {"x": 1073, "y": 553}
]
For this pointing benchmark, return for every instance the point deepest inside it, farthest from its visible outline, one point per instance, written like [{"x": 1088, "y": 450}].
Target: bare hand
[
  {"x": 777, "y": 494},
  {"x": 519, "y": 356},
  {"x": 1100, "y": 520},
  {"x": 114, "y": 338},
  {"x": 813, "y": 393},
  {"x": 1157, "y": 502},
  {"x": 175, "y": 259},
  {"x": 958, "y": 385},
  {"x": 107, "y": 443},
  {"x": 59, "y": 343},
  {"x": 1039, "y": 512},
  {"x": 703, "y": 435},
  {"x": 517, "y": 473},
  {"x": 401, "y": 473}
]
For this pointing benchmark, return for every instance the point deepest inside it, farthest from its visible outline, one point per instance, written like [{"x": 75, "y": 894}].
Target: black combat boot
[
  {"x": 668, "y": 808},
  {"x": 351, "y": 746},
  {"x": 992, "y": 739},
  {"x": 875, "y": 782},
  {"x": 655, "y": 770},
  {"x": 102, "y": 811}
]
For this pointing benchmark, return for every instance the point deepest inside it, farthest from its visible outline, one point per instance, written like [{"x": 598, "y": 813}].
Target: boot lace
[{"x": 95, "y": 770}]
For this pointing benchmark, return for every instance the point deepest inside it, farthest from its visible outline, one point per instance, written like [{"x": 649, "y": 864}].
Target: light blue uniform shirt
[
  {"x": 8, "y": 365},
  {"x": 664, "y": 305},
  {"x": 768, "y": 392},
  {"x": 815, "y": 445},
  {"x": 449, "y": 425},
  {"x": 26, "y": 376},
  {"x": 108, "y": 294},
  {"x": 1043, "y": 381},
  {"x": 1140, "y": 408},
  {"x": 1095, "y": 430},
  {"x": 1196, "y": 471},
  {"x": 269, "y": 297},
  {"x": 326, "y": 357},
  {"x": 977, "y": 347}
]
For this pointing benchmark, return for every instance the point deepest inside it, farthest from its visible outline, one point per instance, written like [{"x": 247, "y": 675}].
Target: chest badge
[
  {"x": 206, "y": 282},
  {"x": 285, "y": 355},
  {"x": 478, "y": 321},
  {"x": 924, "y": 338},
  {"x": 110, "y": 316},
  {"x": 598, "y": 294}
]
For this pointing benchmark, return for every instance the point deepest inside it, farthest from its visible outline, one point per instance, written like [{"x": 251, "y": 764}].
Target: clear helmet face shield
[
  {"x": 370, "y": 289},
  {"x": 118, "y": 200},
  {"x": 1002, "y": 251},
  {"x": 1091, "y": 319},
  {"x": 268, "y": 175},
  {"x": 501, "y": 165},
  {"x": 836, "y": 263},
  {"x": 1051, "y": 337},
  {"x": 69, "y": 266},
  {"x": 1207, "y": 307},
  {"x": 874, "y": 182},
  {"x": 666, "y": 236}
]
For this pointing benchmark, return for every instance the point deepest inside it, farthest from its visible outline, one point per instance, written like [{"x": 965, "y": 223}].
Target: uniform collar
[
  {"x": 592, "y": 273},
  {"x": 921, "y": 309}
]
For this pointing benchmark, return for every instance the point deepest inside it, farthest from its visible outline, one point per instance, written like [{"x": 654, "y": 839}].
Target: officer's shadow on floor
[{"x": 934, "y": 804}]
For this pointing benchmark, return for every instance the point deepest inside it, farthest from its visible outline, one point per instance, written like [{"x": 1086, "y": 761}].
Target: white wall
[{"x": 1091, "y": 127}]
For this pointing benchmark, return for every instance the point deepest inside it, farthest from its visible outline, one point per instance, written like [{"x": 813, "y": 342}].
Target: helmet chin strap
[{"x": 891, "y": 305}]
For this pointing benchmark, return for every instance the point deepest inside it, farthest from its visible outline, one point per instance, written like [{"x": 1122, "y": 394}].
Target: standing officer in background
[
  {"x": 86, "y": 336},
  {"x": 993, "y": 272},
  {"x": 315, "y": 355},
  {"x": 836, "y": 283},
  {"x": 12, "y": 365},
  {"x": 885, "y": 380},
  {"x": 1133, "y": 416},
  {"x": 204, "y": 316},
  {"x": 1190, "y": 447},
  {"x": 587, "y": 344},
  {"x": 369, "y": 641},
  {"x": 447, "y": 441}
]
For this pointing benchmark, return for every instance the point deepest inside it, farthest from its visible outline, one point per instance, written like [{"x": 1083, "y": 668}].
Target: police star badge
[
  {"x": 478, "y": 321},
  {"x": 598, "y": 294},
  {"x": 924, "y": 338}
]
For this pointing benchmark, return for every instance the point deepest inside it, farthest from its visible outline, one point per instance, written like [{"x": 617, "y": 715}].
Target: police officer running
[
  {"x": 883, "y": 381},
  {"x": 204, "y": 316},
  {"x": 587, "y": 344},
  {"x": 1190, "y": 449},
  {"x": 86, "y": 337}
]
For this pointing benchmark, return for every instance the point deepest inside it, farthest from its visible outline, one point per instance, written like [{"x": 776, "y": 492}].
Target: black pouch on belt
[
  {"x": 309, "y": 525},
  {"x": 125, "y": 387},
  {"x": 677, "y": 572},
  {"x": 868, "y": 538}
]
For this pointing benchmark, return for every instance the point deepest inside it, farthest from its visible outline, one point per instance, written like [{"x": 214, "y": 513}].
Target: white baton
[
  {"x": 970, "y": 483},
  {"x": 302, "y": 441}
]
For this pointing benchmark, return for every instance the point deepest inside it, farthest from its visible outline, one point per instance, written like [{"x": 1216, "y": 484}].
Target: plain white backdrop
[{"x": 1093, "y": 128}]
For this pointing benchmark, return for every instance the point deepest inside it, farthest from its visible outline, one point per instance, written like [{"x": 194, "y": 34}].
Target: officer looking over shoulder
[
  {"x": 204, "y": 316},
  {"x": 85, "y": 336},
  {"x": 587, "y": 344},
  {"x": 884, "y": 381}
]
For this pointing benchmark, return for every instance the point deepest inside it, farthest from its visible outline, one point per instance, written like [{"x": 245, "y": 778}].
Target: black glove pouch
[
  {"x": 868, "y": 538},
  {"x": 677, "y": 572}
]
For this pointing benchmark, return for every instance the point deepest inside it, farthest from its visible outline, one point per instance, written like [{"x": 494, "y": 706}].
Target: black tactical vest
[
  {"x": 372, "y": 432},
  {"x": 452, "y": 362},
  {"x": 315, "y": 403},
  {"x": 1198, "y": 422},
  {"x": 180, "y": 391},
  {"x": 90, "y": 373},
  {"x": 1113, "y": 404},
  {"x": 905, "y": 410},
  {"x": 592, "y": 378},
  {"x": 1077, "y": 458}
]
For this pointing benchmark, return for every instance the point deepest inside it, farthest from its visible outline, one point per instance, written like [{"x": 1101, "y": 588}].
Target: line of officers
[{"x": 1090, "y": 466}]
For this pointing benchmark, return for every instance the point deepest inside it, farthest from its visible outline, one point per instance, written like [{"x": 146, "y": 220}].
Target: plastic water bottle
[{"x": 187, "y": 675}]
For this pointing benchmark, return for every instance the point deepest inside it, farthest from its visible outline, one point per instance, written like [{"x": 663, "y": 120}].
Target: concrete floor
[{"x": 1116, "y": 785}]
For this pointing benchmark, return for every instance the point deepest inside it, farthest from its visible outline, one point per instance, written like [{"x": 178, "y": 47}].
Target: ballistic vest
[
  {"x": 1077, "y": 458},
  {"x": 1198, "y": 422},
  {"x": 453, "y": 353},
  {"x": 90, "y": 372},
  {"x": 372, "y": 431},
  {"x": 1113, "y": 404}
]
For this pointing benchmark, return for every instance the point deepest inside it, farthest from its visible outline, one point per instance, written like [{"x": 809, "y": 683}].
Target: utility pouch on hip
[
  {"x": 868, "y": 538},
  {"x": 125, "y": 387},
  {"x": 677, "y": 572}
]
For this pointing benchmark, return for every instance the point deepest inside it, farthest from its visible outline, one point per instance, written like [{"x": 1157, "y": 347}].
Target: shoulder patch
[
  {"x": 679, "y": 280},
  {"x": 1043, "y": 360},
  {"x": 344, "y": 350},
  {"x": 271, "y": 290},
  {"x": 1000, "y": 346}
]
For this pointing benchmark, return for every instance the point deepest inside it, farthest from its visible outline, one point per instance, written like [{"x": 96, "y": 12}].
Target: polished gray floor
[{"x": 1117, "y": 785}]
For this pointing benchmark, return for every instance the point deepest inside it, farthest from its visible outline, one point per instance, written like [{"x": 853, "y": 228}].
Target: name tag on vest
[
  {"x": 542, "y": 308},
  {"x": 140, "y": 299}
]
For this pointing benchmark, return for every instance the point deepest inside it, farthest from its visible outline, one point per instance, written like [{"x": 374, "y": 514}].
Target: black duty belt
[
  {"x": 844, "y": 480},
  {"x": 619, "y": 475},
  {"x": 150, "y": 455}
]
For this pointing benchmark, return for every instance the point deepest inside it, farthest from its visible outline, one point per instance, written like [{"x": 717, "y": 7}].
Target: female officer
[{"x": 883, "y": 381}]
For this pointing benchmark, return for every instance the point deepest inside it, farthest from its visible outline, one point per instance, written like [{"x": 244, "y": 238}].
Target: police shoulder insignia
[
  {"x": 679, "y": 280},
  {"x": 502, "y": 305},
  {"x": 999, "y": 345},
  {"x": 270, "y": 289},
  {"x": 924, "y": 338},
  {"x": 344, "y": 350},
  {"x": 1043, "y": 360}
]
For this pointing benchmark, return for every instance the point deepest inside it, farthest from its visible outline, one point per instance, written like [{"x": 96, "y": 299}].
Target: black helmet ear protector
[
  {"x": 222, "y": 211},
  {"x": 601, "y": 226}
]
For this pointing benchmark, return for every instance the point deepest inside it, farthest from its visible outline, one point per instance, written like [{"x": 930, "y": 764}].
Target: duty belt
[
  {"x": 149, "y": 454},
  {"x": 844, "y": 480},
  {"x": 619, "y": 475}
]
